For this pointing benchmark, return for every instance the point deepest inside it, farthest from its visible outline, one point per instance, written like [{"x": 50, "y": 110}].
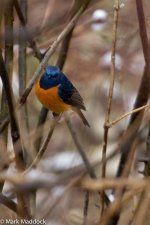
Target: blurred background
[{"x": 88, "y": 67}]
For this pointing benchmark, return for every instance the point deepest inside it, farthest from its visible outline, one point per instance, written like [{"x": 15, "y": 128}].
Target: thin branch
[
  {"x": 143, "y": 32},
  {"x": 110, "y": 94},
  {"x": 8, "y": 16},
  {"x": 14, "y": 133},
  {"x": 8, "y": 52},
  {"x": 31, "y": 42},
  {"x": 110, "y": 124},
  {"x": 147, "y": 164},
  {"x": 8, "y": 203},
  {"x": 60, "y": 63},
  {"x": 86, "y": 206},
  {"x": 112, "y": 81},
  {"x": 45, "y": 144},
  {"x": 143, "y": 210},
  {"x": 143, "y": 93},
  {"x": 14, "y": 125},
  {"x": 4, "y": 124},
  {"x": 40, "y": 125},
  {"x": 22, "y": 64},
  {"x": 111, "y": 183},
  {"x": 80, "y": 148},
  {"x": 141, "y": 100},
  {"x": 22, "y": 50},
  {"x": 51, "y": 50}
]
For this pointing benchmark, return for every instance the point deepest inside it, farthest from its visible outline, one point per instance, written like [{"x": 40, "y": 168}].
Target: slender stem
[
  {"x": 86, "y": 206},
  {"x": 8, "y": 203},
  {"x": 110, "y": 95},
  {"x": 44, "y": 144},
  {"x": 112, "y": 123},
  {"x": 143, "y": 213},
  {"x": 51, "y": 50},
  {"x": 22, "y": 64},
  {"x": 143, "y": 92},
  {"x": 8, "y": 17},
  {"x": 80, "y": 148},
  {"x": 143, "y": 32},
  {"x": 22, "y": 207},
  {"x": 60, "y": 63},
  {"x": 31, "y": 42}
]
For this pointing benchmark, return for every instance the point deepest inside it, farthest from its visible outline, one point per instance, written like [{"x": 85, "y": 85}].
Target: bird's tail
[{"x": 84, "y": 120}]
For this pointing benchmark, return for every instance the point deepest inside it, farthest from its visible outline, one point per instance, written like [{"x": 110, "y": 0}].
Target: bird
[{"x": 56, "y": 93}]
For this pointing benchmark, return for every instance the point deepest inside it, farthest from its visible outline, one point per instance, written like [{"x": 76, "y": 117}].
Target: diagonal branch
[
  {"x": 60, "y": 63},
  {"x": 8, "y": 203},
  {"x": 51, "y": 51}
]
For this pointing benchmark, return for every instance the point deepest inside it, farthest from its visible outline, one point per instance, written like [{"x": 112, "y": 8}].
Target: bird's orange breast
[{"x": 50, "y": 99}]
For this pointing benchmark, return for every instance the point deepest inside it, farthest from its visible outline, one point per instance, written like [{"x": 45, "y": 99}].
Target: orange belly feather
[{"x": 50, "y": 99}]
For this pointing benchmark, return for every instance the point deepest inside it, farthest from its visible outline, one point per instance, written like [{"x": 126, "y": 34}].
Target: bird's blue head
[
  {"x": 51, "y": 77},
  {"x": 52, "y": 71}
]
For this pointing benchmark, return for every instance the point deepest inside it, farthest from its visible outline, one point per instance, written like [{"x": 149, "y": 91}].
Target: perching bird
[{"x": 57, "y": 93}]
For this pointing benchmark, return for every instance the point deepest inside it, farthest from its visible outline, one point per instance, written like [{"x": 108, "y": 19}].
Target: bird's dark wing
[
  {"x": 76, "y": 100},
  {"x": 69, "y": 94}
]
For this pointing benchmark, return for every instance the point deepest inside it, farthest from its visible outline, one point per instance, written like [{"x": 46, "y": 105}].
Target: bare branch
[{"x": 51, "y": 50}]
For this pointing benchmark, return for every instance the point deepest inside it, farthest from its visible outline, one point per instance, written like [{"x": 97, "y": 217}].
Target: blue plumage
[
  {"x": 64, "y": 92},
  {"x": 50, "y": 78},
  {"x": 54, "y": 77}
]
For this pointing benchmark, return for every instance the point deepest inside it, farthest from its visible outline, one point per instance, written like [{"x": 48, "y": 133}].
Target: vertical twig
[
  {"x": 142, "y": 98},
  {"x": 87, "y": 164},
  {"x": 22, "y": 207},
  {"x": 60, "y": 63},
  {"x": 51, "y": 51},
  {"x": 143, "y": 210},
  {"x": 110, "y": 94},
  {"x": 86, "y": 206},
  {"x": 22, "y": 69},
  {"x": 147, "y": 163},
  {"x": 31, "y": 42},
  {"x": 143, "y": 93},
  {"x": 22, "y": 49},
  {"x": 8, "y": 19}
]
